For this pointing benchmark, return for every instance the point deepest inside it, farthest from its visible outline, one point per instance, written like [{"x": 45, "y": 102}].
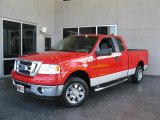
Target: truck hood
[{"x": 53, "y": 57}]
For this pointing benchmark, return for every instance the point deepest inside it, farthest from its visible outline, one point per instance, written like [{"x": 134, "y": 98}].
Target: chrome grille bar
[{"x": 29, "y": 68}]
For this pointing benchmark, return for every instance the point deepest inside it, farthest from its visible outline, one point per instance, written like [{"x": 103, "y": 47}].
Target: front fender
[{"x": 68, "y": 69}]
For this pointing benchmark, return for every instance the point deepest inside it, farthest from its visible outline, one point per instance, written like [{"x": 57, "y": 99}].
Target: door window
[{"x": 106, "y": 43}]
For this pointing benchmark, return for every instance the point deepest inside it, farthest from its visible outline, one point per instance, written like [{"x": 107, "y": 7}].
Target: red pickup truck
[{"x": 76, "y": 64}]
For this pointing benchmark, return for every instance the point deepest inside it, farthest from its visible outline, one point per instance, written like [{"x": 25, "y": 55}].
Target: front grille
[
  {"x": 29, "y": 68},
  {"x": 25, "y": 72},
  {"x": 25, "y": 63}
]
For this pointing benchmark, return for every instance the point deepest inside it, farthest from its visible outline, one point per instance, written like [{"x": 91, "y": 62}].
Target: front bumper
[{"x": 39, "y": 90}]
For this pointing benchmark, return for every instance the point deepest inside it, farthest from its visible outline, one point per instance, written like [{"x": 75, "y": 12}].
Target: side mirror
[{"x": 104, "y": 52}]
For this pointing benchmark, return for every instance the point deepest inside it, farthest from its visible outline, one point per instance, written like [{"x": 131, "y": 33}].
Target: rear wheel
[
  {"x": 75, "y": 92},
  {"x": 138, "y": 76}
]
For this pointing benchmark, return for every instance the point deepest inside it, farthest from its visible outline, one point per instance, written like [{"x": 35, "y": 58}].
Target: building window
[
  {"x": 69, "y": 32},
  {"x": 102, "y": 30},
  {"x": 87, "y": 30},
  {"x": 8, "y": 66},
  {"x": 108, "y": 29},
  {"x": 29, "y": 39},
  {"x": 18, "y": 39},
  {"x": 11, "y": 39},
  {"x": 47, "y": 44}
]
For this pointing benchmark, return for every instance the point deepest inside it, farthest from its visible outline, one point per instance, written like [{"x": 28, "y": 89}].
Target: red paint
[{"x": 88, "y": 62}]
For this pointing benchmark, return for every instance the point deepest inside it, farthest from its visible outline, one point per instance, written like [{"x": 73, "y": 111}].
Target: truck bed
[
  {"x": 137, "y": 49},
  {"x": 136, "y": 55}
]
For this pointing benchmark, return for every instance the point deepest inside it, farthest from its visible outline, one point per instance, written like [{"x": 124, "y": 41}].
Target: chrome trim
[
  {"x": 108, "y": 86},
  {"x": 31, "y": 69},
  {"x": 47, "y": 91},
  {"x": 108, "y": 78},
  {"x": 75, "y": 93}
]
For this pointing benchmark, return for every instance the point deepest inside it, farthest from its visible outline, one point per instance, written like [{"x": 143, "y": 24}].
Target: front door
[{"x": 108, "y": 67}]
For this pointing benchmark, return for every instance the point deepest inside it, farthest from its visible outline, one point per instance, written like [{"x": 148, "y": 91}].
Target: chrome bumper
[{"x": 40, "y": 90}]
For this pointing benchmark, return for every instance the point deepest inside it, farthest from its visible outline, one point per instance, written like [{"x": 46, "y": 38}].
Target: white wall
[
  {"x": 38, "y": 12},
  {"x": 138, "y": 22},
  {"x": 84, "y": 13}
]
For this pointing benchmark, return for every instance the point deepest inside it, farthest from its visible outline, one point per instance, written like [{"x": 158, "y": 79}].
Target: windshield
[{"x": 76, "y": 44}]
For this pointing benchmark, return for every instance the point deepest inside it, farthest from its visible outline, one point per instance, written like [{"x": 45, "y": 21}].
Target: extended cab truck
[{"x": 76, "y": 64}]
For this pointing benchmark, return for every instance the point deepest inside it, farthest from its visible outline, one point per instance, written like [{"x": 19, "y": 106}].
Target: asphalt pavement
[{"x": 126, "y": 101}]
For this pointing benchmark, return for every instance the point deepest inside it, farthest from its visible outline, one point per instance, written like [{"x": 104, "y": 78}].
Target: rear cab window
[{"x": 120, "y": 44}]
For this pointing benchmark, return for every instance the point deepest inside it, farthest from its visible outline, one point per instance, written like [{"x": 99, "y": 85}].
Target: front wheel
[
  {"x": 138, "y": 76},
  {"x": 75, "y": 92}
]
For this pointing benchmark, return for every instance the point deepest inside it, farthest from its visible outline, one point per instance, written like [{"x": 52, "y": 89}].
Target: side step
[{"x": 110, "y": 84}]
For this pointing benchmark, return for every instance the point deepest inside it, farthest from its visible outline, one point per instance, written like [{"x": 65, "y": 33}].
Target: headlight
[
  {"x": 15, "y": 64},
  {"x": 49, "y": 69}
]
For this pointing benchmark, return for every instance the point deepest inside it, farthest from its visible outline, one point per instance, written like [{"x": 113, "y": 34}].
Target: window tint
[
  {"x": 69, "y": 32},
  {"x": 120, "y": 44},
  {"x": 103, "y": 30},
  {"x": 18, "y": 39},
  {"x": 29, "y": 39},
  {"x": 47, "y": 44},
  {"x": 87, "y": 30},
  {"x": 76, "y": 44},
  {"x": 8, "y": 66},
  {"x": 11, "y": 39},
  {"x": 106, "y": 42}
]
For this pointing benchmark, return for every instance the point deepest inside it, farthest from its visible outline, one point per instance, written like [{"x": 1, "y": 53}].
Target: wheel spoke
[
  {"x": 76, "y": 86},
  {"x": 75, "y": 93},
  {"x": 78, "y": 98},
  {"x": 80, "y": 89},
  {"x": 74, "y": 99},
  {"x": 81, "y": 93}
]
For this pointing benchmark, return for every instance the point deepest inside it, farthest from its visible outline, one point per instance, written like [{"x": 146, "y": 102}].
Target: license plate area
[{"x": 20, "y": 88}]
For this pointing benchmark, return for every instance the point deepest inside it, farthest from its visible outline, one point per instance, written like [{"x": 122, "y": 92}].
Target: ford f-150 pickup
[{"x": 76, "y": 64}]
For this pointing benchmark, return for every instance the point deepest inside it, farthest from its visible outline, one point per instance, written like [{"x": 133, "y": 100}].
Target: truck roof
[{"x": 98, "y": 35}]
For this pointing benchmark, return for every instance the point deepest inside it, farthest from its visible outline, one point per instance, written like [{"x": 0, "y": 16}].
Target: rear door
[{"x": 123, "y": 58}]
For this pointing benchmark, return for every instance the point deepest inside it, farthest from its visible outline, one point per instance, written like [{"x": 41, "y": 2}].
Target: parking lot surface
[{"x": 126, "y": 101}]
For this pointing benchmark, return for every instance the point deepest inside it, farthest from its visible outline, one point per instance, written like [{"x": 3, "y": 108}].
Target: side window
[
  {"x": 106, "y": 43},
  {"x": 120, "y": 44}
]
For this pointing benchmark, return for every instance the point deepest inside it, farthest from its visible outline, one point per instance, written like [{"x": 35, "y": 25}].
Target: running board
[{"x": 98, "y": 88}]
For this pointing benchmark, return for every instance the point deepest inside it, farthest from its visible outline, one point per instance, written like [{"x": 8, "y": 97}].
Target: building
[
  {"x": 21, "y": 27},
  {"x": 22, "y": 22}
]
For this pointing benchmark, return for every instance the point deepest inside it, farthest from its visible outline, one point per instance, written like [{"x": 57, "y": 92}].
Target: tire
[
  {"x": 75, "y": 92},
  {"x": 138, "y": 76}
]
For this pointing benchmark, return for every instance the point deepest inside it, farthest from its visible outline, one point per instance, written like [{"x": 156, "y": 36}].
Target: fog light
[{"x": 40, "y": 90}]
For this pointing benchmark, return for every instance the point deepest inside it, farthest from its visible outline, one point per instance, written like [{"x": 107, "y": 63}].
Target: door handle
[{"x": 116, "y": 58}]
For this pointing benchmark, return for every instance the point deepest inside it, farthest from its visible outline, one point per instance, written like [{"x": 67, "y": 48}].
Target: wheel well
[
  {"x": 81, "y": 74},
  {"x": 141, "y": 64}
]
